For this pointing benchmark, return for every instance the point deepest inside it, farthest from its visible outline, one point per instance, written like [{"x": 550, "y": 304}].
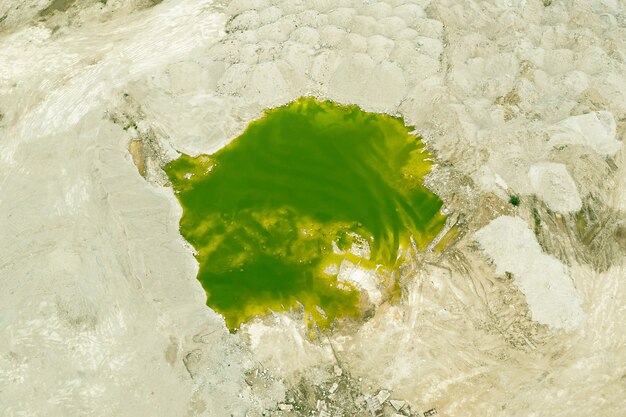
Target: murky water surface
[{"x": 265, "y": 212}]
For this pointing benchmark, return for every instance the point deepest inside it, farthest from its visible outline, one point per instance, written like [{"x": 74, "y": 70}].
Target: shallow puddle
[{"x": 271, "y": 214}]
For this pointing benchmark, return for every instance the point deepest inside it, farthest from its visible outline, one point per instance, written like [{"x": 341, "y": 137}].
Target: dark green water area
[{"x": 265, "y": 212}]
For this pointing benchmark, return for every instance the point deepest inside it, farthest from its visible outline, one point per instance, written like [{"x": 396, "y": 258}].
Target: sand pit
[{"x": 519, "y": 313}]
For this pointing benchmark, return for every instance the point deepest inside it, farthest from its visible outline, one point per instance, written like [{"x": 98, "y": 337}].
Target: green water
[{"x": 263, "y": 212}]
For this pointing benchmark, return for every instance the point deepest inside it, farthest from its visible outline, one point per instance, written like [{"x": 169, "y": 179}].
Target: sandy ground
[{"x": 521, "y": 314}]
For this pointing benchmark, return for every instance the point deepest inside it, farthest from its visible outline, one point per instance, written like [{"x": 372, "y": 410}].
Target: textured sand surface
[{"x": 521, "y": 315}]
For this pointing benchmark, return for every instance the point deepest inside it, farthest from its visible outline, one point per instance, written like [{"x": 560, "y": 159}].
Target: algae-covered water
[{"x": 264, "y": 212}]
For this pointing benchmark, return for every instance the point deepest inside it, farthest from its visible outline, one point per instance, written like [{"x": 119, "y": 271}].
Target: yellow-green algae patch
[{"x": 265, "y": 212}]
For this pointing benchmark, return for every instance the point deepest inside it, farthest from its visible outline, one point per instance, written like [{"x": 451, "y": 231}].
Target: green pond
[{"x": 270, "y": 214}]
